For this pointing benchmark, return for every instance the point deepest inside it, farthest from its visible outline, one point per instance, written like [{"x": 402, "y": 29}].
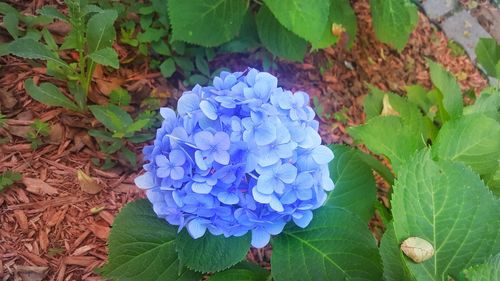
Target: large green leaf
[
  {"x": 142, "y": 247},
  {"x": 393, "y": 21},
  {"x": 485, "y": 272},
  {"x": 307, "y": 19},
  {"x": 218, "y": 252},
  {"x": 392, "y": 258},
  {"x": 389, "y": 136},
  {"x": 355, "y": 188},
  {"x": 471, "y": 139},
  {"x": 106, "y": 56},
  {"x": 49, "y": 94},
  {"x": 448, "y": 86},
  {"x": 337, "y": 245},
  {"x": 101, "y": 31},
  {"x": 112, "y": 117},
  {"x": 31, "y": 49},
  {"x": 242, "y": 272},
  {"x": 208, "y": 23},
  {"x": 11, "y": 22},
  {"x": 488, "y": 55},
  {"x": 448, "y": 205},
  {"x": 488, "y": 103},
  {"x": 278, "y": 40},
  {"x": 342, "y": 14}
]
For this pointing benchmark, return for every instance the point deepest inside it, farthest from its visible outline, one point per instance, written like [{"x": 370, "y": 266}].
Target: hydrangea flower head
[{"x": 241, "y": 155}]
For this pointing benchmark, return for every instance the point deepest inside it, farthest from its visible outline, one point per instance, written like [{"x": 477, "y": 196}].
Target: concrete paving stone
[
  {"x": 435, "y": 9},
  {"x": 465, "y": 30}
]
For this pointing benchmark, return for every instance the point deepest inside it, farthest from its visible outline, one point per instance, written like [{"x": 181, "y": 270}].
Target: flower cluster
[{"x": 241, "y": 155}]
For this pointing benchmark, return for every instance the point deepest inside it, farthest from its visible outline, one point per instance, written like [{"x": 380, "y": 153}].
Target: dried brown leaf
[
  {"x": 88, "y": 184},
  {"x": 39, "y": 187}
]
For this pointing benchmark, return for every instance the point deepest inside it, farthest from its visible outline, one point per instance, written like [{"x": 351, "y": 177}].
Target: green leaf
[
  {"x": 279, "y": 41},
  {"x": 202, "y": 65},
  {"x": 448, "y": 205},
  {"x": 137, "y": 125},
  {"x": 49, "y": 94},
  {"x": 49, "y": 39},
  {"x": 337, "y": 245},
  {"x": 167, "y": 67},
  {"x": 208, "y": 23},
  {"x": 393, "y": 21},
  {"x": 488, "y": 55},
  {"x": 142, "y": 247},
  {"x": 244, "y": 271},
  {"x": 485, "y": 272},
  {"x": 10, "y": 22},
  {"x": 151, "y": 35},
  {"x": 448, "y": 86},
  {"x": 120, "y": 97},
  {"x": 7, "y": 9},
  {"x": 473, "y": 140},
  {"x": 392, "y": 258},
  {"x": 52, "y": 12},
  {"x": 78, "y": 94},
  {"x": 218, "y": 252},
  {"x": 101, "y": 31},
  {"x": 106, "y": 56},
  {"x": 129, "y": 155},
  {"x": 355, "y": 188},
  {"x": 307, "y": 19},
  {"x": 341, "y": 13},
  {"x": 31, "y": 49},
  {"x": 112, "y": 117},
  {"x": 8, "y": 178},
  {"x": 488, "y": 104},
  {"x": 389, "y": 136}
]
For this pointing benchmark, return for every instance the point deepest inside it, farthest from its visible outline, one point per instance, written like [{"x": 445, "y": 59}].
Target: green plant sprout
[{"x": 39, "y": 129}]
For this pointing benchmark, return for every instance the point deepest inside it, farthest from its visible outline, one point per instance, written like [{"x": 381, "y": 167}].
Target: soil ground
[{"x": 50, "y": 222}]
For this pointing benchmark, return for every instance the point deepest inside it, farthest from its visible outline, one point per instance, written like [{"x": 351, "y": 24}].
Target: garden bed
[{"x": 50, "y": 221}]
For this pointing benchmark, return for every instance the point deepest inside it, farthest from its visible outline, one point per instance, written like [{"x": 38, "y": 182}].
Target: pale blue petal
[
  {"x": 200, "y": 162},
  {"x": 260, "y": 238},
  {"x": 197, "y": 228},
  {"x": 228, "y": 198},
  {"x": 161, "y": 160},
  {"x": 260, "y": 197},
  {"x": 287, "y": 173},
  {"x": 177, "y": 173},
  {"x": 266, "y": 185},
  {"x": 275, "y": 228},
  {"x": 177, "y": 157},
  {"x": 163, "y": 172},
  {"x": 276, "y": 205},
  {"x": 221, "y": 157},
  {"x": 222, "y": 141},
  {"x": 304, "y": 221},
  {"x": 201, "y": 188},
  {"x": 188, "y": 103},
  {"x": 265, "y": 134},
  {"x": 322, "y": 155},
  {"x": 208, "y": 109},
  {"x": 204, "y": 140},
  {"x": 145, "y": 181}
]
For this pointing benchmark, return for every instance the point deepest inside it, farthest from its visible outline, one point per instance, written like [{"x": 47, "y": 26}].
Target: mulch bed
[{"x": 50, "y": 222}]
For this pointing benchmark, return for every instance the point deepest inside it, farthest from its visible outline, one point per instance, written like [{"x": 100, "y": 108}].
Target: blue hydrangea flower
[{"x": 243, "y": 155}]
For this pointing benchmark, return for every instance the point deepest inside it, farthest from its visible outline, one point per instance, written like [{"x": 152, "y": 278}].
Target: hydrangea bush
[{"x": 241, "y": 155}]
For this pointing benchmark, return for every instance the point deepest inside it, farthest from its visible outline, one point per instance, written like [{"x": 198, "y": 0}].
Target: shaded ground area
[{"x": 51, "y": 222}]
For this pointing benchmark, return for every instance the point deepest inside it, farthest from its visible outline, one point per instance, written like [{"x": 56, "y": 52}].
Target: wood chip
[
  {"x": 107, "y": 216},
  {"x": 34, "y": 258},
  {"x": 79, "y": 260},
  {"x": 31, "y": 273},
  {"x": 99, "y": 231},
  {"x": 39, "y": 187},
  {"x": 22, "y": 220}
]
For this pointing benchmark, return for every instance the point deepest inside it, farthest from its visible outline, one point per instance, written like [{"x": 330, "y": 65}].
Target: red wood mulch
[{"x": 50, "y": 222}]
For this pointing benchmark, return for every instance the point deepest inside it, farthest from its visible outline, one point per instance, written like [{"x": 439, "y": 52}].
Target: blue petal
[
  {"x": 265, "y": 185},
  {"x": 228, "y": 198},
  {"x": 163, "y": 172},
  {"x": 208, "y": 109},
  {"x": 145, "y": 181},
  {"x": 197, "y": 228},
  {"x": 260, "y": 238},
  {"x": 304, "y": 220},
  {"x": 221, "y": 157},
  {"x": 275, "y": 228},
  {"x": 161, "y": 160},
  {"x": 322, "y": 155},
  {"x": 222, "y": 141},
  {"x": 287, "y": 173},
  {"x": 200, "y": 162},
  {"x": 177, "y": 157},
  {"x": 177, "y": 173},
  {"x": 265, "y": 134},
  {"x": 201, "y": 188},
  {"x": 204, "y": 140},
  {"x": 261, "y": 198},
  {"x": 188, "y": 103},
  {"x": 276, "y": 205}
]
